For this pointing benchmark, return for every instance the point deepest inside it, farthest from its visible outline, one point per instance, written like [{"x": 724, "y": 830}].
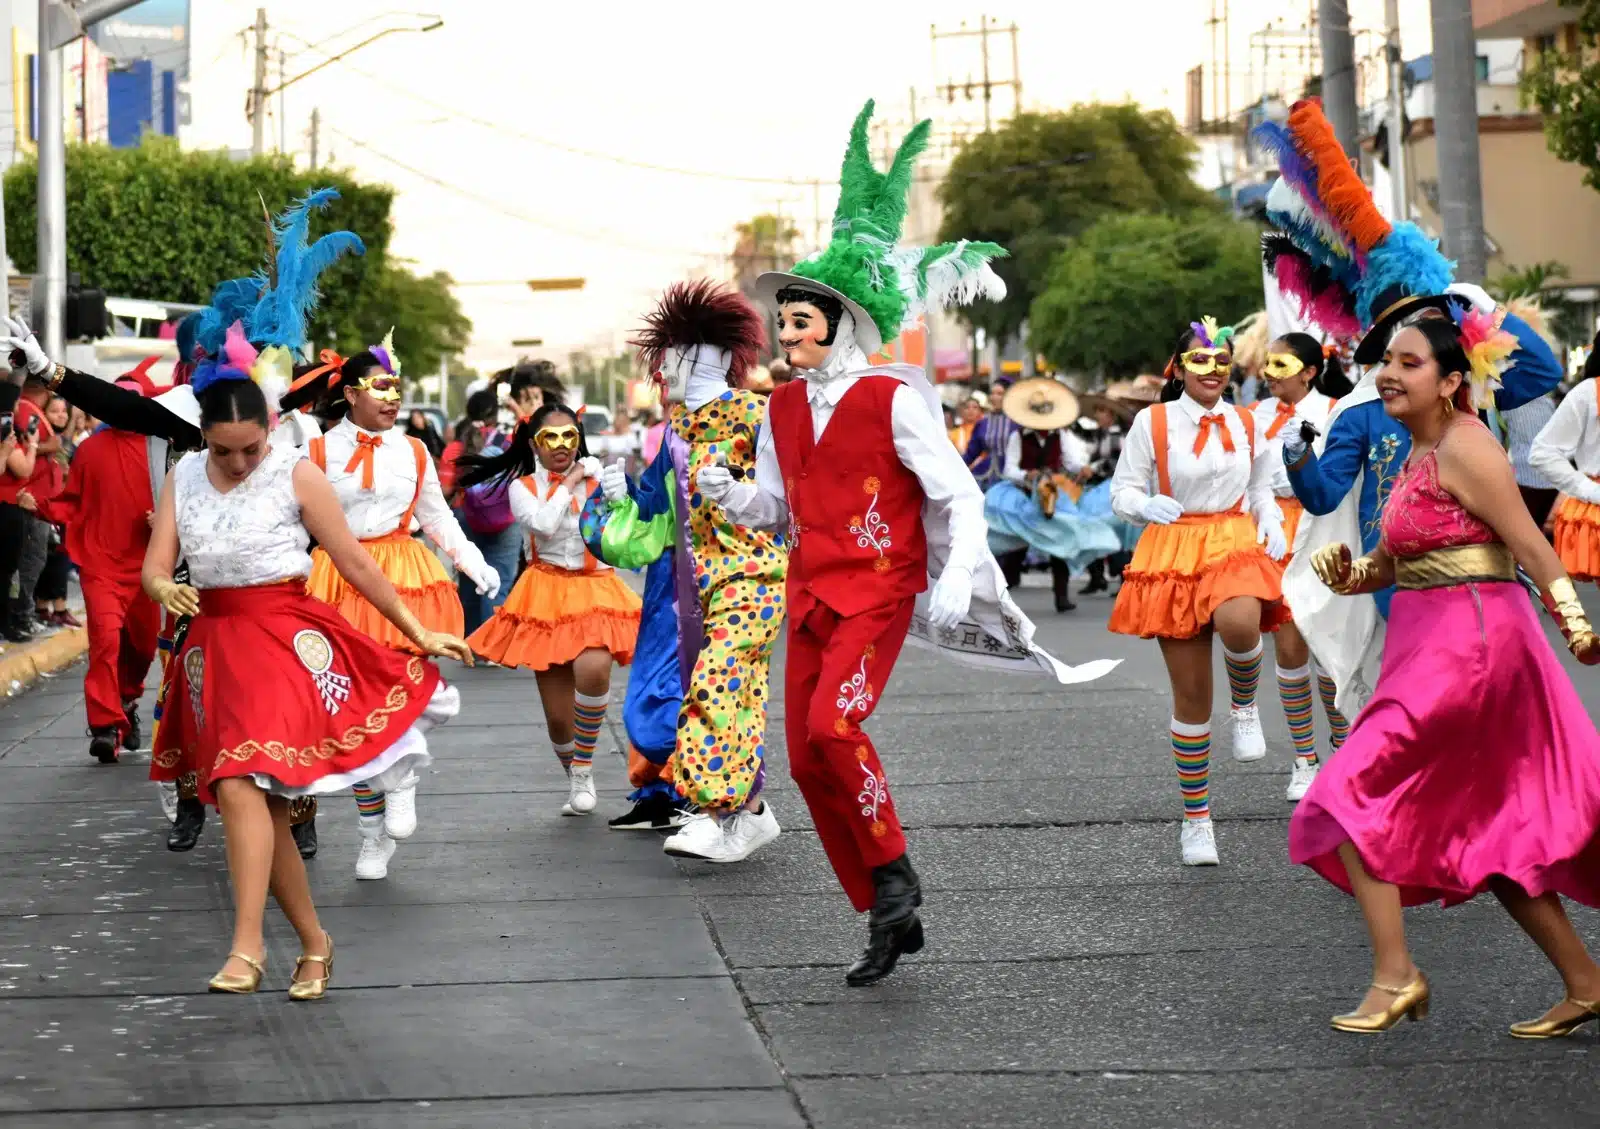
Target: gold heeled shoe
[
  {"x": 235, "y": 984},
  {"x": 317, "y": 988},
  {"x": 1557, "y": 1028},
  {"x": 1410, "y": 1002}
]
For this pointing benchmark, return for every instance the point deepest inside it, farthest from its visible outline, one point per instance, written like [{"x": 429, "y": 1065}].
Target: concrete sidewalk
[{"x": 520, "y": 969}]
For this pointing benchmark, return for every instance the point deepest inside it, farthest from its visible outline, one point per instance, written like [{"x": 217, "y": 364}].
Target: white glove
[
  {"x": 486, "y": 580},
  {"x": 715, "y": 482},
  {"x": 1589, "y": 492},
  {"x": 951, "y": 597},
  {"x": 1161, "y": 510},
  {"x": 1476, "y": 295},
  {"x": 1270, "y": 534},
  {"x": 614, "y": 481},
  {"x": 591, "y": 466},
  {"x": 19, "y": 336}
]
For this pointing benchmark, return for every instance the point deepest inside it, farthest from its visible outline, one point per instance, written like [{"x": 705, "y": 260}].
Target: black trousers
[
  {"x": 1538, "y": 502},
  {"x": 14, "y": 528}
]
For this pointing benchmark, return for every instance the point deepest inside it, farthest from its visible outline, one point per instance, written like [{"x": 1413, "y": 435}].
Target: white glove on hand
[
  {"x": 715, "y": 482},
  {"x": 486, "y": 580},
  {"x": 1161, "y": 510},
  {"x": 590, "y": 465},
  {"x": 19, "y": 336},
  {"x": 614, "y": 481},
  {"x": 951, "y": 597},
  {"x": 1476, "y": 295},
  {"x": 1589, "y": 492},
  {"x": 1270, "y": 534}
]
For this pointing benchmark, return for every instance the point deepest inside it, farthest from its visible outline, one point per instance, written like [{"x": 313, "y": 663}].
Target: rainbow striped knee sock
[
  {"x": 369, "y": 805},
  {"x": 1244, "y": 675},
  {"x": 588, "y": 715},
  {"x": 564, "y": 755},
  {"x": 1294, "y": 688},
  {"x": 1191, "y": 749},
  {"x": 1338, "y": 725}
]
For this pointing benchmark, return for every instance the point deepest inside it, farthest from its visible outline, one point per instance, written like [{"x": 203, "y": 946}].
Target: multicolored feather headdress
[
  {"x": 1209, "y": 334},
  {"x": 271, "y": 367},
  {"x": 885, "y": 286},
  {"x": 1488, "y": 348},
  {"x": 386, "y": 355},
  {"x": 1333, "y": 252}
]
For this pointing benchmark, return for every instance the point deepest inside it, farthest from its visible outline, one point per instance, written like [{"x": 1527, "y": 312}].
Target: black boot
[
  {"x": 1011, "y": 566},
  {"x": 103, "y": 744},
  {"x": 134, "y": 739},
  {"x": 1097, "y": 579},
  {"x": 1061, "y": 581},
  {"x": 894, "y": 925},
  {"x": 187, "y": 826},
  {"x": 305, "y": 837}
]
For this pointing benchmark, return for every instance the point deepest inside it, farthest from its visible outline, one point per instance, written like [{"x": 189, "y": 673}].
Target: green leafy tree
[
  {"x": 1115, "y": 299},
  {"x": 1044, "y": 178},
  {"x": 1537, "y": 283},
  {"x": 1565, "y": 87}
]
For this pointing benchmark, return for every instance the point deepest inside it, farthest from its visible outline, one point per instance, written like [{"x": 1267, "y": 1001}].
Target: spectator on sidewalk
[
  {"x": 43, "y": 481},
  {"x": 18, "y": 453},
  {"x": 50, "y": 594}
]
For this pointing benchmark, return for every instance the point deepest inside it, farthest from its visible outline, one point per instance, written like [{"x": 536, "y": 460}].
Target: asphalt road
[{"x": 521, "y": 969}]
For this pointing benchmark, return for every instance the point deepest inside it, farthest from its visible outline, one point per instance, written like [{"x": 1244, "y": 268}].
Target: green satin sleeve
[{"x": 633, "y": 543}]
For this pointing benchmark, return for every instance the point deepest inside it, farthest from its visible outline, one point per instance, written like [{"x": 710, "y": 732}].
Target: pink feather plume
[{"x": 237, "y": 350}]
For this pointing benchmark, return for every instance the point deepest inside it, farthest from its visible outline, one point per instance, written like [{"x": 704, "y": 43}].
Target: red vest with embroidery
[{"x": 855, "y": 510}]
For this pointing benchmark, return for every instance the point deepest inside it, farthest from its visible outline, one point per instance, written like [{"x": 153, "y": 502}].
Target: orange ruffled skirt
[
  {"x": 1292, "y": 510},
  {"x": 1181, "y": 573},
  {"x": 1578, "y": 538},
  {"x": 415, "y": 573},
  {"x": 553, "y": 615}
]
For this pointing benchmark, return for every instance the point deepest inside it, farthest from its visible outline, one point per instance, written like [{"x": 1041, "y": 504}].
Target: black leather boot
[
  {"x": 1061, "y": 581},
  {"x": 894, "y": 927},
  {"x": 134, "y": 739},
  {"x": 1097, "y": 579},
  {"x": 103, "y": 744},
  {"x": 187, "y": 826},
  {"x": 305, "y": 837}
]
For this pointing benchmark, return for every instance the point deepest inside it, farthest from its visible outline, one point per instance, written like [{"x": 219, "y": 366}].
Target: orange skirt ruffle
[
  {"x": 1182, "y": 573},
  {"x": 416, "y": 574},
  {"x": 1292, "y": 511},
  {"x": 553, "y": 615},
  {"x": 1578, "y": 538}
]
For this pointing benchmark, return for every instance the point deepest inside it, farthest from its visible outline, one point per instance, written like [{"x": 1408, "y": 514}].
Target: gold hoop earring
[{"x": 1449, "y": 407}]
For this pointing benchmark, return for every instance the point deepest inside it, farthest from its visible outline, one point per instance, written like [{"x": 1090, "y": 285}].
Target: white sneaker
[
  {"x": 746, "y": 833},
  {"x": 700, "y": 838},
  {"x": 1300, "y": 781},
  {"x": 400, "y": 810},
  {"x": 1199, "y": 843},
  {"x": 169, "y": 799},
  {"x": 373, "y": 861},
  {"x": 1248, "y": 742},
  {"x": 581, "y": 800}
]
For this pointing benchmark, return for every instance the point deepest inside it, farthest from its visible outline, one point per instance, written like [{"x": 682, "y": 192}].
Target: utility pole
[
  {"x": 1397, "y": 111},
  {"x": 283, "y": 100},
  {"x": 1455, "y": 88},
  {"x": 988, "y": 82},
  {"x": 316, "y": 132},
  {"x": 1338, "y": 70},
  {"x": 50, "y": 297},
  {"x": 258, "y": 92}
]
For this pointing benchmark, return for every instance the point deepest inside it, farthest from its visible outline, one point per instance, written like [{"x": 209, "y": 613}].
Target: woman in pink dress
[{"x": 1475, "y": 766}]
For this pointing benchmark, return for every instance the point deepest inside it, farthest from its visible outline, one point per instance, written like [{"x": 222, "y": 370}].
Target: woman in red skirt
[{"x": 276, "y": 696}]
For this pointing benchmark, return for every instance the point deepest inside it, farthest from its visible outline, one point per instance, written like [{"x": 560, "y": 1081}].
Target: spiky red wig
[{"x": 703, "y": 313}]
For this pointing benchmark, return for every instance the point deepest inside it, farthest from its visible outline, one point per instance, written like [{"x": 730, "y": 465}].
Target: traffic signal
[{"x": 86, "y": 314}]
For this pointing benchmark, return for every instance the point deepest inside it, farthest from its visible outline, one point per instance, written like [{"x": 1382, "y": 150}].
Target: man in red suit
[{"x": 106, "y": 507}]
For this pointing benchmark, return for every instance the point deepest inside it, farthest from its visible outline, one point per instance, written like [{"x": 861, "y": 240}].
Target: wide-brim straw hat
[{"x": 1040, "y": 403}]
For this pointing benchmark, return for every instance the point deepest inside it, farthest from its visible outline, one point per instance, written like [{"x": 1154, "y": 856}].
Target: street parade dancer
[
  {"x": 342, "y": 709},
  {"x": 1101, "y": 432},
  {"x": 1348, "y": 270},
  {"x": 1207, "y": 563},
  {"x": 387, "y": 486},
  {"x": 1034, "y": 508},
  {"x": 696, "y": 706},
  {"x": 1304, "y": 378},
  {"x": 854, "y": 462},
  {"x": 986, "y": 447},
  {"x": 568, "y": 618},
  {"x": 1474, "y": 766}
]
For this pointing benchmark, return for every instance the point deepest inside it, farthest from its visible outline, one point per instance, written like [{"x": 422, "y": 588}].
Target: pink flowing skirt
[{"x": 1474, "y": 759}]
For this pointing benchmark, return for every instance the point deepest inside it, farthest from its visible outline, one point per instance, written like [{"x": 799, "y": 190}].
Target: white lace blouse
[{"x": 252, "y": 534}]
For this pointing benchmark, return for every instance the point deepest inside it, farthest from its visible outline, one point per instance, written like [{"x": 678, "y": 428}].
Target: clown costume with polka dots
[{"x": 696, "y": 710}]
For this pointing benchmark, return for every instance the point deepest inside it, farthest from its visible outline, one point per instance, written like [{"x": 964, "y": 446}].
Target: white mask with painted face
[
  {"x": 695, "y": 375},
  {"x": 844, "y": 355}
]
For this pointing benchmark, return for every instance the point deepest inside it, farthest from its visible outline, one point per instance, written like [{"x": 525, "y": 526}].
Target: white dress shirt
[
  {"x": 1211, "y": 482},
  {"x": 1073, "y": 458},
  {"x": 1567, "y": 449},
  {"x": 1313, "y": 408},
  {"x": 377, "y": 512},
  {"x": 924, "y": 449},
  {"x": 557, "y": 537}
]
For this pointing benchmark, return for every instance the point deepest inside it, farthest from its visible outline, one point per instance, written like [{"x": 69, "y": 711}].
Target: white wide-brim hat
[{"x": 867, "y": 336}]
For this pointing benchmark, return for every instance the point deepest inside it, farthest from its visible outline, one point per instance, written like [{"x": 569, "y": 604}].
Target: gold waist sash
[{"x": 1459, "y": 564}]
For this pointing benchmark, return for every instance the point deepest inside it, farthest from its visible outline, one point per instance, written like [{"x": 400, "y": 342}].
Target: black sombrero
[{"x": 1397, "y": 305}]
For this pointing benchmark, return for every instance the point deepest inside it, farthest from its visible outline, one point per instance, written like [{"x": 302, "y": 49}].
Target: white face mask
[
  {"x": 844, "y": 355},
  {"x": 695, "y": 374}
]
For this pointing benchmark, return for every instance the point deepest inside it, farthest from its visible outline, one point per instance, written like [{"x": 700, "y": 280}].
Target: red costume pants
[
  {"x": 835, "y": 670},
  {"x": 123, "y": 626}
]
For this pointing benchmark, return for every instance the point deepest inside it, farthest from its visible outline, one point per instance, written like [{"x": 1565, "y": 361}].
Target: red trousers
[
  {"x": 123, "y": 626},
  {"x": 835, "y": 671}
]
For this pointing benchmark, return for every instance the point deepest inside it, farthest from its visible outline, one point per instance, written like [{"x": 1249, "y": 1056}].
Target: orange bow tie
[
  {"x": 367, "y": 444},
  {"x": 1206, "y": 424},
  {"x": 1285, "y": 414}
]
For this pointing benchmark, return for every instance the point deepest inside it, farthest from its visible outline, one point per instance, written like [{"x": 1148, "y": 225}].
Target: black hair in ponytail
[
  {"x": 518, "y": 460},
  {"x": 1328, "y": 374}
]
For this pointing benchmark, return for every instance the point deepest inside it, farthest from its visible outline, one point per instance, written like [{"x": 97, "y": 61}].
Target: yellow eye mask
[
  {"x": 1204, "y": 362},
  {"x": 557, "y": 438},
  {"x": 1282, "y": 366}
]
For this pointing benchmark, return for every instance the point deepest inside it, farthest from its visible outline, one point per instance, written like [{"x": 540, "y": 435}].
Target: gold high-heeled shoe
[
  {"x": 1557, "y": 1028},
  {"x": 236, "y": 984},
  {"x": 1410, "y": 1002},
  {"x": 312, "y": 989}
]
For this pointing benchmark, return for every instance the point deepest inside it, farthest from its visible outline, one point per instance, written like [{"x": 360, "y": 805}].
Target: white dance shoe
[
  {"x": 581, "y": 799},
  {"x": 400, "y": 810},
  {"x": 1249, "y": 744},
  {"x": 702, "y": 837},
  {"x": 746, "y": 832},
  {"x": 1199, "y": 843},
  {"x": 1300, "y": 780},
  {"x": 372, "y": 863}
]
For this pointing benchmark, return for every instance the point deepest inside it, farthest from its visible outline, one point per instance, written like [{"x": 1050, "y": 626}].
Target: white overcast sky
[{"x": 479, "y": 110}]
